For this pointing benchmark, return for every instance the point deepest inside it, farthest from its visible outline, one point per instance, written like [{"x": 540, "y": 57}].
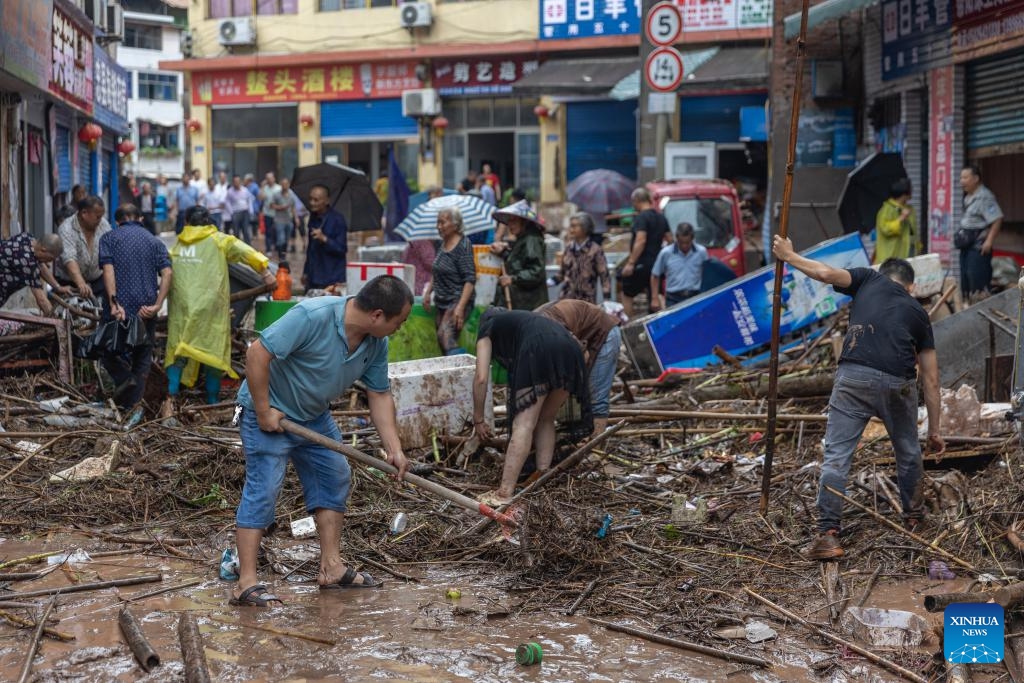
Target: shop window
[
  {"x": 335, "y": 5},
  {"x": 505, "y": 112},
  {"x": 330, "y": 5},
  {"x": 528, "y": 162},
  {"x": 479, "y": 114},
  {"x": 156, "y": 140},
  {"x": 455, "y": 111},
  {"x": 526, "y": 115},
  {"x": 143, "y": 37},
  {"x": 259, "y": 123},
  {"x": 158, "y": 86},
  {"x": 222, "y": 9}
]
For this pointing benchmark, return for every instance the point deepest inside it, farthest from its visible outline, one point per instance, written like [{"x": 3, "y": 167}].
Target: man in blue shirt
[
  {"x": 308, "y": 358},
  {"x": 682, "y": 264},
  {"x": 132, "y": 259},
  {"x": 326, "y": 256},
  {"x": 185, "y": 197}
]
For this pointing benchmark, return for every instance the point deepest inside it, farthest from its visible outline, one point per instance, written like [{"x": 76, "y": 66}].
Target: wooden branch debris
[
  {"x": 681, "y": 644},
  {"x": 131, "y": 630},
  {"x": 26, "y": 669},
  {"x": 193, "y": 653}
]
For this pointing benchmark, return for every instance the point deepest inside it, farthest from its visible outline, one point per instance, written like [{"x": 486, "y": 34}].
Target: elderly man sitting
[{"x": 24, "y": 261}]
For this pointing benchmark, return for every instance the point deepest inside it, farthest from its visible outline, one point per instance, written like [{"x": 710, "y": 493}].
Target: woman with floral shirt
[{"x": 583, "y": 263}]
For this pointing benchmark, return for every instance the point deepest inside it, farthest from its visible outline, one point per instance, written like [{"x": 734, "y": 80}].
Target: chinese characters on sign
[
  {"x": 25, "y": 42},
  {"x": 915, "y": 36},
  {"x": 481, "y": 76},
  {"x": 110, "y": 86},
  {"x": 561, "y": 19},
  {"x": 293, "y": 84},
  {"x": 940, "y": 161},
  {"x": 980, "y": 22},
  {"x": 71, "y": 64}
]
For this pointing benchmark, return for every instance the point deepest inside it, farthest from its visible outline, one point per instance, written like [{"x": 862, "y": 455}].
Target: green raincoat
[
  {"x": 199, "y": 304},
  {"x": 896, "y": 238},
  {"x": 525, "y": 264}
]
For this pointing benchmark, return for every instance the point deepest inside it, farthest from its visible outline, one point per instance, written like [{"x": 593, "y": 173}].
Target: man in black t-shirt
[
  {"x": 649, "y": 231},
  {"x": 888, "y": 338}
]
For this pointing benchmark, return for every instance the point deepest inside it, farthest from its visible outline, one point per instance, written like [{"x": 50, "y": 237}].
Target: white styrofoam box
[
  {"x": 385, "y": 253},
  {"x": 552, "y": 247},
  {"x": 358, "y": 273},
  {"x": 928, "y": 275},
  {"x": 488, "y": 270},
  {"x": 434, "y": 394}
]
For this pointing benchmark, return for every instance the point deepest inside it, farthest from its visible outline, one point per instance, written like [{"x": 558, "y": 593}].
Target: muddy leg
[
  {"x": 248, "y": 541},
  {"x": 328, "y": 528},
  {"x": 544, "y": 434},
  {"x": 519, "y": 448}
]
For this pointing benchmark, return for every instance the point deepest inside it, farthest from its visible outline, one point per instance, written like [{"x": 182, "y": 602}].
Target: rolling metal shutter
[
  {"x": 995, "y": 101},
  {"x": 85, "y": 176},
  {"x": 601, "y": 135},
  {"x": 367, "y": 120},
  {"x": 64, "y": 180},
  {"x": 714, "y": 118}
]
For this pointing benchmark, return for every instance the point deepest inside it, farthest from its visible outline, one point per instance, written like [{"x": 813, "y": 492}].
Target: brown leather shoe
[{"x": 825, "y": 547}]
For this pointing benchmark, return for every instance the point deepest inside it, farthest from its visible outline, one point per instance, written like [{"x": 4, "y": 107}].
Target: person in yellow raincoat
[
  {"x": 896, "y": 225},
  {"x": 199, "y": 305}
]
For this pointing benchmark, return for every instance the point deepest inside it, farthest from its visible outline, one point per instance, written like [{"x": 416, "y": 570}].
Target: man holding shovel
[
  {"x": 888, "y": 338},
  {"x": 312, "y": 355}
]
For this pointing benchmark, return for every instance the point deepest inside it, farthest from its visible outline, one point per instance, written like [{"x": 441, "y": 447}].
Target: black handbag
[
  {"x": 964, "y": 238},
  {"x": 114, "y": 337}
]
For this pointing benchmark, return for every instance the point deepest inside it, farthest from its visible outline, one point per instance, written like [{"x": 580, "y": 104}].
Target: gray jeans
[{"x": 858, "y": 394}]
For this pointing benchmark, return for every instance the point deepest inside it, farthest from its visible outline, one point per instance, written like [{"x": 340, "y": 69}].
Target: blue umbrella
[{"x": 421, "y": 223}]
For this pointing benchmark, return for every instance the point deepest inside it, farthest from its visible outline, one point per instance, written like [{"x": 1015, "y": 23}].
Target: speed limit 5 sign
[{"x": 664, "y": 24}]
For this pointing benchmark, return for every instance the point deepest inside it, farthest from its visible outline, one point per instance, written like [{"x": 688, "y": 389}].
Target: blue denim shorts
[{"x": 325, "y": 474}]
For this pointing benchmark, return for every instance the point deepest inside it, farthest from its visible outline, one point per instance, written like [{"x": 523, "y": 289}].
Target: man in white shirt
[{"x": 682, "y": 264}]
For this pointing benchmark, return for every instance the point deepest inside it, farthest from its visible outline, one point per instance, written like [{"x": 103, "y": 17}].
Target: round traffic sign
[
  {"x": 664, "y": 69},
  {"x": 664, "y": 23}
]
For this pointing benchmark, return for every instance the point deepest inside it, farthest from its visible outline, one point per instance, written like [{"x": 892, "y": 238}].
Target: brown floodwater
[{"x": 402, "y": 632}]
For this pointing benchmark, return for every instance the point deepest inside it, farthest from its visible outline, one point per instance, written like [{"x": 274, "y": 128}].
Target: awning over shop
[
  {"x": 733, "y": 68},
  {"x": 629, "y": 87},
  {"x": 822, "y": 12},
  {"x": 576, "y": 76}
]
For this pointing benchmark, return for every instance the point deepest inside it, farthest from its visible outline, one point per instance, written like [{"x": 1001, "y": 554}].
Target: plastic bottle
[
  {"x": 284, "y": 283},
  {"x": 529, "y": 654},
  {"x": 229, "y": 565},
  {"x": 399, "y": 523}
]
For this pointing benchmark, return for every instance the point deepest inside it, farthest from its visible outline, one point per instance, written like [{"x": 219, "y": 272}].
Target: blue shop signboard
[
  {"x": 585, "y": 18},
  {"x": 915, "y": 36},
  {"x": 110, "y": 92},
  {"x": 737, "y": 316}
]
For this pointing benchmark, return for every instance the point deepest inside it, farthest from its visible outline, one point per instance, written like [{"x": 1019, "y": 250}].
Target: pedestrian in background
[
  {"x": 979, "y": 227},
  {"x": 327, "y": 253},
  {"x": 452, "y": 281},
  {"x": 185, "y": 197},
  {"x": 238, "y": 201},
  {"x": 583, "y": 263},
  {"x": 524, "y": 278},
  {"x": 896, "y": 225},
  {"x": 283, "y": 204},
  {"x": 682, "y": 265},
  {"x": 213, "y": 199},
  {"x": 649, "y": 231},
  {"x": 147, "y": 207}
]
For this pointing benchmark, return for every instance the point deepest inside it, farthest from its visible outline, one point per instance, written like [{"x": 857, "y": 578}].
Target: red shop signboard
[
  {"x": 481, "y": 75},
  {"x": 71, "y": 64},
  {"x": 301, "y": 83},
  {"x": 942, "y": 185}
]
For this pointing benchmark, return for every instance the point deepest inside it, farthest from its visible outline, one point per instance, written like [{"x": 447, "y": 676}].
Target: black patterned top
[
  {"x": 18, "y": 265},
  {"x": 582, "y": 267}
]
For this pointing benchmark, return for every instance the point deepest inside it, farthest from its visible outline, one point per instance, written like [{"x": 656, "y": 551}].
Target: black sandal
[
  {"x": 255, "y": 596},
  {"x": 348, "y": 577}
]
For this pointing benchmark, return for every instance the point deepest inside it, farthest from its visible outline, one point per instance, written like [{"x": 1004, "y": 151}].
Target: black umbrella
[
  {"x": 867, "y": 188},
  {"x": 349, "y": 191}
]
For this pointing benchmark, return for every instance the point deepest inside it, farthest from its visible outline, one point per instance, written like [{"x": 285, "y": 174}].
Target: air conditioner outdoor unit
[
  {"x": 115, "y": 18},
  {"x": 424, "y": 102},
  {"x": 237, "y": 31},
  {"x": 415, "y": 14}
]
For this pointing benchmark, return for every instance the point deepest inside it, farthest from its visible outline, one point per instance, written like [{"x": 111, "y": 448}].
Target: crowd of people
[{"x": 560, "y": 357}]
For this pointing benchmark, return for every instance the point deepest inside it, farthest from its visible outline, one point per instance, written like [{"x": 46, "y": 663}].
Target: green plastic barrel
[
  {"x": 269, "y": 312},
  {"x": 529, "y": 654}
]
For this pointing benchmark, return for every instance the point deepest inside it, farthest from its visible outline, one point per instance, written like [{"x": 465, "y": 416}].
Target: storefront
[
  {"x": 486, "y": 123},
  {"x": 988, "y": 39},
  {"x": 111, "y": 84},
  {"x": 272, "y": 120}
]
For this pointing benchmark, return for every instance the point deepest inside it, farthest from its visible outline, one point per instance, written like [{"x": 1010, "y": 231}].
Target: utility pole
[{"x": 660, "y": 75}]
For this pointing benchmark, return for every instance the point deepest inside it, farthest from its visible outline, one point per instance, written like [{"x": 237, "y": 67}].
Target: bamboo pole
[
  {"x": 681, "y": 644},
  {"x": 82, "y": 587},
  {"x": 787, "y": 196},
  {"x": 193, "y": 653},
  {"x": 136, "y": 639},
  {"x": 871, "y": 656},
  {"x": 710, "y": 415},
  {"x": 26, "y": 669}
]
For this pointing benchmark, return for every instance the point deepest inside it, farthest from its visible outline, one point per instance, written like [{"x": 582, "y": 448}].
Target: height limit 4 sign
[{"x": 664, "y": 69}]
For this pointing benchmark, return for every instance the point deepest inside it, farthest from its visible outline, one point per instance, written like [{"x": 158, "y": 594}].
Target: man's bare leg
[
  {"x": 248, "y": 541},
  {"x": 328, "y": 528}
]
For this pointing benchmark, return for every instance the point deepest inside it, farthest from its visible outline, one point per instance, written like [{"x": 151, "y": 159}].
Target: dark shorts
[{"x": 639, "y": 281}]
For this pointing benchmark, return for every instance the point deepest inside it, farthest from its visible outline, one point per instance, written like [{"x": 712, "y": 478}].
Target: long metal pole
[{"x": 787, "y": 194}]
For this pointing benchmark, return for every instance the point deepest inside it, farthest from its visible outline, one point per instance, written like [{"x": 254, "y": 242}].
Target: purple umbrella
[{"x": 600, "y": 191}]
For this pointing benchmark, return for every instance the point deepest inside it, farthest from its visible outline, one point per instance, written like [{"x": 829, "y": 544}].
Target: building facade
[
  {"x": 63, "y": 107},
  {"x": 152, "y": 34}
]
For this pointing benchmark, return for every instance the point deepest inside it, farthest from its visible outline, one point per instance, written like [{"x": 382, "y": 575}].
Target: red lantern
[
  {"x": 194, "y": 125},
  {"x": 89, "y": 134},
  {"x": 307, "y": 120},
  {"x": 541, "y": 112},
  {"x": 440, "y": 124},
  {"x": 126, "y": 147}
]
